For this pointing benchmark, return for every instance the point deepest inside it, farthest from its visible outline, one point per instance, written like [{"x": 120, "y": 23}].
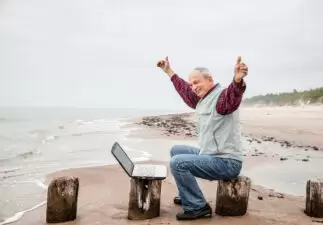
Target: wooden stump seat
[
  {"x": 233, "y": 196},
  {"x": 144, "y": 199},
  {"x": 62, "y": 197},
  {"x": 314, "y": 198}
]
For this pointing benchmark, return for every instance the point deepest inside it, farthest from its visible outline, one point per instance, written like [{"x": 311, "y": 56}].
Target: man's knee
[
  {"x": 179, "y": 162},
  {"x": 174, "y": 150},
  {"x": 174, "y": 161}
]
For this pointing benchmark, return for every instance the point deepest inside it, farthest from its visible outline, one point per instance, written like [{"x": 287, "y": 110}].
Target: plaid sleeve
[
  {"x": 184, "y": 90},
  {"x": 230, "y": 98}
]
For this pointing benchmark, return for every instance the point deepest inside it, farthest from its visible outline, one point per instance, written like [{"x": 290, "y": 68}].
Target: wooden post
[
  {"x": 144, "y": 199},
  {"x": 233, "y": 196},
  {"x": 314, "y": 198},
  {"x": 62, "y": 197}
]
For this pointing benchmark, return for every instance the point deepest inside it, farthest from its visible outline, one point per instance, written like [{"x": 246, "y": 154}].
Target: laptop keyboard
[{"x": 145, "y": 170}]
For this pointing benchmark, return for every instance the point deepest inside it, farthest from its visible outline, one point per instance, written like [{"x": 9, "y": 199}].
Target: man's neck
[{"x": 211, "y": 89}]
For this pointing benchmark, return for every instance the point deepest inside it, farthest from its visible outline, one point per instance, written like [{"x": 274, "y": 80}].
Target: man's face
[{"x": 200, "y": 84}]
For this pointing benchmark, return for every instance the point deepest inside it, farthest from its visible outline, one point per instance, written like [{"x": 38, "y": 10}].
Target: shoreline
[{"x": 152, "y": 129}]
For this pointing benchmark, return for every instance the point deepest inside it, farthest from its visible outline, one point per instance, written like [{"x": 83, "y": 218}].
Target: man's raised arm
[
  {"x": 231, "y": 97},
  {"x": 182, "y": 87}
]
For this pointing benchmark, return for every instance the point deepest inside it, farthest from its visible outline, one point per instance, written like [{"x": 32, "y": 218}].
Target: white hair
[{"x": 204, "y": 71}]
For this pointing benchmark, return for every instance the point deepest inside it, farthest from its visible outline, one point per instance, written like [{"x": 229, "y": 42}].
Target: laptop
[{"x": 144, "y": 171}]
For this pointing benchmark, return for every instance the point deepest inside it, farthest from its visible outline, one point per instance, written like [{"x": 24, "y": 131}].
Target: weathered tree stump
[
  {"x": 314, "y": 198},
  {"x": 144, "y": 199},
  {"x": 233, "y": 196},
  {"x": 62, "y": 197}
]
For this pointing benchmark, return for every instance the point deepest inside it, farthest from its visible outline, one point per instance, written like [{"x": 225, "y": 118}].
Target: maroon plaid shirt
[{"x": 229, "y": 100}]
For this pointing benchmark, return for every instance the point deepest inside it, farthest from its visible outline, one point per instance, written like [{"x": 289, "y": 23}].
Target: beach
[{"x": 283, "y": 149}]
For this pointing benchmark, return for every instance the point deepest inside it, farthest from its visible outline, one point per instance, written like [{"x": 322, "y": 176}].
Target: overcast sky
[{"x": 90, "y": 53}]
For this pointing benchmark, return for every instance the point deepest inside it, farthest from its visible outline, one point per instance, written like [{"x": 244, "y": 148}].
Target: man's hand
[
  {"x": 240, "y": 71},
  {"x": 164, "y": 65}
]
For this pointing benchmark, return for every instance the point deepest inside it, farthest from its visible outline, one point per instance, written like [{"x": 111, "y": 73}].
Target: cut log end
[
  {"x": 314, "y": 198},
  {"x": 233, "y": 196},
  {"x": 144, "y": 199},
  {"x": 62, "y": 195}
]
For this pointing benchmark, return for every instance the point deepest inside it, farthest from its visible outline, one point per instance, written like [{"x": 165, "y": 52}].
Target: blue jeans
[{"x": 186, "y": 164}]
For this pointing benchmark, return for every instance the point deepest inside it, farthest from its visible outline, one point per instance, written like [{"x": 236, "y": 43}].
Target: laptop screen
[{"x": 122, "y": 158}]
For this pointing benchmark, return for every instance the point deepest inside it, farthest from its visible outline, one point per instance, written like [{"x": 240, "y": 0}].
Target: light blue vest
[{"x": 218, "y": 135}]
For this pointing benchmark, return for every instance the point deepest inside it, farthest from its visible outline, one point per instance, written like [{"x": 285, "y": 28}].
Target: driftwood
[
  {"x": 62, "y": 197},
  {"x": 144, "y": 199},
  {"x": 314, "y": 198},
  {"x": 232, "y": 196}
]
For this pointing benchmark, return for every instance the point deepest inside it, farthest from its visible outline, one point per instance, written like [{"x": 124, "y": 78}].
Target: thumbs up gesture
[
  {"x": 240, "y": 70},
  {"x": 165, "y": 66}
]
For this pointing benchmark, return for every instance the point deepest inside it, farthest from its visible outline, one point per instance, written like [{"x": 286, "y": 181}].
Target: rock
[
  {"x": 260, "y": 197},
  {"x": 283, "y": 158},
  {"x": 276, "y": 195},
  {"x": 268, "y": 139}
]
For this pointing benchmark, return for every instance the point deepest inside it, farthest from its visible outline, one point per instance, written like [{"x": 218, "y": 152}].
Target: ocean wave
[
  {"x": 30, "y": 153},
  {"x": 37, "y": 182},
  {"x": 10, "y": 170},
  {"x": 40, "y": 184},
  {"x": 3, "y": 177},
  {"x": 27, "y": 154},
  {"x": 37, "y": 132},
  {"x": 92, "y": 133},
  {"x": 113, "y": 123},
  {"x": 92, "y": 127},
  {"x": 18, "y": 215},
  {"x": 144, "y": 154},
  {"x": 49, "y": 138},
  {"x": 80, "y": 134}
]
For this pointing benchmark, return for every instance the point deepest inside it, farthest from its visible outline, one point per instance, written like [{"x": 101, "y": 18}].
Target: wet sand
[{"x": 104, "y": 191}]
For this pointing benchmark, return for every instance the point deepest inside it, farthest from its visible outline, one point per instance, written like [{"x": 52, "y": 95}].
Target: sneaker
[
  {"x": 177, "y": 201},
  {"x": 205, "y": 212}
]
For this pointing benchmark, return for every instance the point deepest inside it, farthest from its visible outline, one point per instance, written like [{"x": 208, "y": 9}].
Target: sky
[{"x": 95, "y": 53}]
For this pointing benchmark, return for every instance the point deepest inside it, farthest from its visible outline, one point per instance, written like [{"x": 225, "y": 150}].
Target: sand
[
  {"x": 103, "y": 197},
  {"x": 301, "y": 125}
]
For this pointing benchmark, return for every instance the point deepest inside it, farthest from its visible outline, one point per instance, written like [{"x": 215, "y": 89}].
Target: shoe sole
[
  {"x": 205, "y": 216},
  {"x": 200, "y": 217}
]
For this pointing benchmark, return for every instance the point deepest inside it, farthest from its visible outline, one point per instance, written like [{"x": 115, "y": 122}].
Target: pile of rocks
[{"x": 171, "y": 125}]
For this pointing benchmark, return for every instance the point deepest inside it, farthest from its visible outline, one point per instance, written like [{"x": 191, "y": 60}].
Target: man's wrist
[
  {"x": 170, "y": 73},
  {"x": 237, "y": 80}
]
